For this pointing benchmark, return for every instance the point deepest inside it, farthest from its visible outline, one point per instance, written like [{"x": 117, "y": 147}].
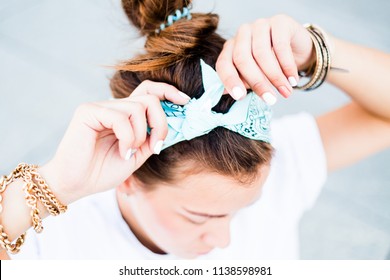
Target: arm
[
  {"x": 4, "y": 255},
  {"x": 95, "y": 147},
  {"x": 15, "y": 217},
  {"x": 362, "y": 127},
  {"x": 267, "y": 54}
]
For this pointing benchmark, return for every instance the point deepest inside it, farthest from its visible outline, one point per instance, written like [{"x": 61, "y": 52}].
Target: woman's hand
[
  {"x": 265, "y": 54},
  {"x": 107, "y": 141}
]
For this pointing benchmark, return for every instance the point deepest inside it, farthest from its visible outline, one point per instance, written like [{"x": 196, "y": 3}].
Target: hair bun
[{"x": 147, "y": 15}]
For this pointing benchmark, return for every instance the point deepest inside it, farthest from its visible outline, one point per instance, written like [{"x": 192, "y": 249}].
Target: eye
[{"x": 197, "y": 220}]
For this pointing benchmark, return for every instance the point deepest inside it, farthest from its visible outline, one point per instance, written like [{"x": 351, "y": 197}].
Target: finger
[
  {"x": 248, "y": 67},
  {"x": 100, "y": 118},
  {"x": 139, "y": 124},
  {"x": 162, "y": 90},
  {"x": 136, "y": 112},
  {"x": 228, "y": 73},
  {"x": 142, "y": 153},
  {"x": 246, "y": 85},
  {"x": 144, "y": 109},
  {"x": 281, "y": 37},
  {"x": 266, "y": 59},
  {"x": 157, "y": 121}
]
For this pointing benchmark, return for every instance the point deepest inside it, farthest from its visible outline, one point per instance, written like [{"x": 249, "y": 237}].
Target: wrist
[
  {"x": 26, "y": 183},
  {"x": 310, "y": 60},
  {"x": 51, "y": 174}
]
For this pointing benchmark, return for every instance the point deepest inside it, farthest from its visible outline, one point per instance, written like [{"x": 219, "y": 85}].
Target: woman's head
[
  {"x": 190, "y": 217},
  {"x": 173, "y": 56}
]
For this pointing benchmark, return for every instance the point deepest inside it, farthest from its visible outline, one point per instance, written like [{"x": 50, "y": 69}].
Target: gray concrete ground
[{"x": 52, "y": 58}]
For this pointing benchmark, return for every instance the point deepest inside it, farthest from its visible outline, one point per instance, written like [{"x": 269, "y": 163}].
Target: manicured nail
[
  {"x": 157, "y": 147},
  {"x": 269, "y": 98},
  {"x": 293, "y": 82},
  {"x": 182, "y": 94},
  {"x": 237, "y": 93},
  {"x": 284, "y": 91},
  {"x": 130, "y": 153}
]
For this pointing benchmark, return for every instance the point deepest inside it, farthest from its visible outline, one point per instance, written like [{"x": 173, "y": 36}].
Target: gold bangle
[
  {"x": 318, "y": 65},
  {"x": 322, "y": 64},
  {"x": 323, "y": 40}
]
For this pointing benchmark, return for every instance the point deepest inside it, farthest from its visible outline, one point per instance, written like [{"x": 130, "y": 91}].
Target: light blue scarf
[{"x": 249, "y": 117}]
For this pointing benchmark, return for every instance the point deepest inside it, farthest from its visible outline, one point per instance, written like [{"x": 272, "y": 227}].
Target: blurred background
[{"x": 54, "y": 55}]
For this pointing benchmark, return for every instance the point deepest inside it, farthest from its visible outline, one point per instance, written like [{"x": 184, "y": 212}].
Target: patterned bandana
[{"x": 249, "y": 117}]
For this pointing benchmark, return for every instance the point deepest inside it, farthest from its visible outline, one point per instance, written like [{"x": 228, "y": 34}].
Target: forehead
[{"x": 212, "y": 193}]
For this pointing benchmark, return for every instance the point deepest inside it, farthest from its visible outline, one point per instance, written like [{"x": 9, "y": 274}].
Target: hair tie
[{"x": 171, "y": 19}]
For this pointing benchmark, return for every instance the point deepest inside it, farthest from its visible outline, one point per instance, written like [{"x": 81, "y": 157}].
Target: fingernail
[
  {"x": 284, "y": 91},
  {"x": 237, "y": 93},
  {"x": 292, "y": 81},
  {"x": 269, "y": 98},
  {"x": 157, "y": 147},
  {"x": 182, "y": 94},
  {"x": 130, "y": 153}
]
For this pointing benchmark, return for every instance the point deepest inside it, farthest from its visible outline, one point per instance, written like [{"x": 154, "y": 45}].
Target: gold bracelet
[
  {"x": 31, "y": 201},
  {"x": 318, "y": 65},
  {"x": 5, "y": 243},
  {"x": 24, "y": 171},
  {"x": 39, "y": 189},
  {"x": 319, "y": 71},
  {"x": 35, "y": 189},
  {"x": 321, "y": 38},
  {"x": 51, "y": 201}
]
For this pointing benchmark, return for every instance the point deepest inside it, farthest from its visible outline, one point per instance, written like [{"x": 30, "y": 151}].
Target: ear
[{"x": 129, "y": 187}]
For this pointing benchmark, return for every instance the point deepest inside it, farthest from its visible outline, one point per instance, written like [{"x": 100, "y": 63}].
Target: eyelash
[{"x": 197, "y": 222}]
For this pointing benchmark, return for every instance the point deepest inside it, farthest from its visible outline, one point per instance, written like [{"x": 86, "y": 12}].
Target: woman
[{"x": 189, "y": 200}]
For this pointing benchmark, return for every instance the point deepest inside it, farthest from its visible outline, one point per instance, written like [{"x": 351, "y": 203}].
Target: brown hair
[{"x": 173, "y": 56}]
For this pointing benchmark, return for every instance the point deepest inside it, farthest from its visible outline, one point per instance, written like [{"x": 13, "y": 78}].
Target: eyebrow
[{"x": 204, "y": 214}]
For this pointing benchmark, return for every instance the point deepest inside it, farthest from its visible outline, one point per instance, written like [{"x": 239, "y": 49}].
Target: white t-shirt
[{"x": 93, "y": 227}]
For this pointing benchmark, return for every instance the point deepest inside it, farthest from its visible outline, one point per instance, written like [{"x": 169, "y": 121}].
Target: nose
[{"x": 218, "y": 235}]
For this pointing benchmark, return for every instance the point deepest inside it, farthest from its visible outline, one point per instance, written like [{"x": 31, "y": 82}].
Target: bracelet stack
[
  {"x": 35, "y": 189},
  {"x": 320, "y": 69}
]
